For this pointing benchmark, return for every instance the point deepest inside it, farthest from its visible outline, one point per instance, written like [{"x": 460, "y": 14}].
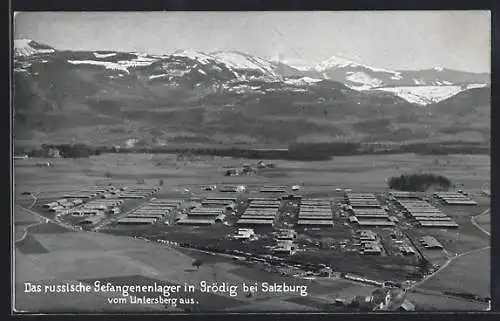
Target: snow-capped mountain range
[
  {"x": 227, "y": 96},
  {"x": 26, "y": 47},
  {"x": 227, "y": 68}
]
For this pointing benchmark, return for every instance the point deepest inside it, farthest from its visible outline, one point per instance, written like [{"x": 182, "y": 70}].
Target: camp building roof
[{"x": 438, "y": 224}]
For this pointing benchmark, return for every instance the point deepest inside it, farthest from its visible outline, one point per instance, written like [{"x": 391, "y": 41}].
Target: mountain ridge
[{"x": 112, "y": 96}]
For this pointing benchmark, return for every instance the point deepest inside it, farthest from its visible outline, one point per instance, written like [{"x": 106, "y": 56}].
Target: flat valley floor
[{"x": 49, "y": 254}]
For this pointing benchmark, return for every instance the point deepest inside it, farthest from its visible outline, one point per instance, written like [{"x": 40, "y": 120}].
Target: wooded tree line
[{"x": 418, "y": 182}]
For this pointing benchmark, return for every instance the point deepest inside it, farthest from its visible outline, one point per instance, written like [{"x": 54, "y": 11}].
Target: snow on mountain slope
[
  {"x": 98, "y": 55},
  {"x": 195, "y": 55},
  {"x": 191, "y": 67},
  {"x": 105, "y": 64},
  {"x": 338, "y": 62},
  {"x": 424, "y": 95},
  {"x": 140, "y": 61},
  {"x": 332, "y": 62},
  {"x": 362, "y": 81},
  {"x": 476, "y": 86},
  {"x": 304, "y": 81},
  {"x": 238, "y": 60},
  {"x": 157, "y": 76},
  {"x": 27, "y": 47}
]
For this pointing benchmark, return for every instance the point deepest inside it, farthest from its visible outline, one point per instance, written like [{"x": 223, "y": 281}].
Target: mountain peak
[
  {"x": 334, "y": 62},
  {"x": 28, "y": 47},
  {"x": 240, "y": 60},
  {"x": 193, "y": 54},
  {"x": 339, "y": 62}
]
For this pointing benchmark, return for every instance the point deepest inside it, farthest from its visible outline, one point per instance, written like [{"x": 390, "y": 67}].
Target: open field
[
  {"x": 485, "y": 221},
  {"x": 30, "y": 245},
  {"x": 361, "y": 173},
  {"x": 23, "y": 217},
  {"x": 429, "y": 302},
  {"x": 79, "y": 256},
  {"x": 466, "y": 238},
  {"x": 50, "y": 252},
  {"x": 468, "y": 274},
  {"x": 22, "y": 220}
]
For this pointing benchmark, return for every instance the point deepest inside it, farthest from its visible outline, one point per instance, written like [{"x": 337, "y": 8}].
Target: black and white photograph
[{"x": 243, "y": 162}]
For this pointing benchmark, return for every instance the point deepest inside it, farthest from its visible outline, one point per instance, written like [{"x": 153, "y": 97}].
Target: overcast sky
[{"x": 395, "y": 40}]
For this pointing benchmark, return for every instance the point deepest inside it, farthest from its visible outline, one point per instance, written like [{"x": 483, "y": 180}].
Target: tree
[
  {"x": 197, "y": 263},
  {"x": 160, "y": 183},
  {"x": 108, "y": 174}
]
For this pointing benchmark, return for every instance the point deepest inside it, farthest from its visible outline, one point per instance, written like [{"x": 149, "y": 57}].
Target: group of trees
[
  {"x": 323, "y": 151},
  {"x": 418, "y": 182},
  {"x": 65, "y": 150},
  {"x": 296, "y": 151},
  {"x": 446, "y": 148}
]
